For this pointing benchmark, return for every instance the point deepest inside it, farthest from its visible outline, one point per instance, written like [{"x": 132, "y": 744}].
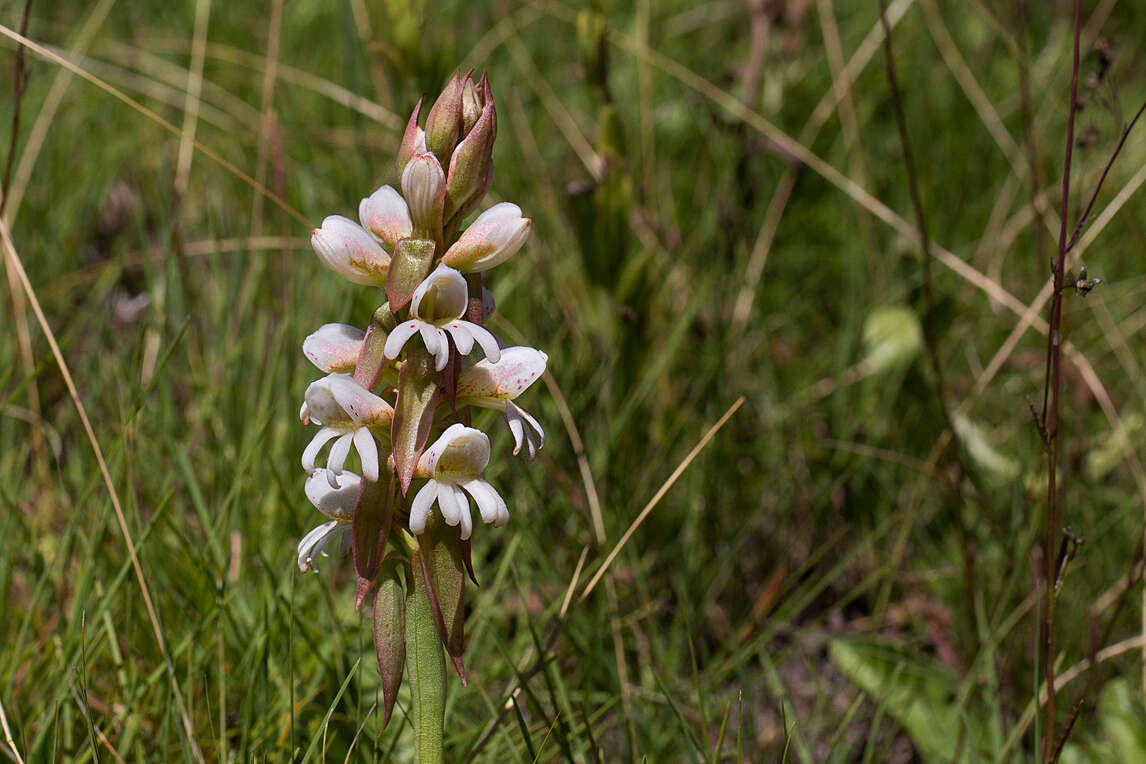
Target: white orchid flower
[
  {"x": 436, "y": 308},
  {"x": 337, "y": 504},
  {"x": 334, "y": 348},
  {"x": 350, "y": 251},
  {"x": 495, "y": 236},
  {"x": 493, "y": 385},
  {"x": 349, "y": 412},
  {"x": 457, "y": 461}
]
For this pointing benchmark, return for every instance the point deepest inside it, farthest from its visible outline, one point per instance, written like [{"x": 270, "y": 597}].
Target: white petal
[
  {"x": 455, "y": 507},
  {"x": 495, "y": 236},
  {"x": 310, "y": 453},
  {"x": 335, "y": 503},
  {"x": 396, "y": 340},
  {"x": 431, "y": 339},
  {"x": 313, "y": 543},
  {"x": 463, "y": 337},
  {"x": 489, "y": 502},
  {"x": 347, "y": 249},
  {"x": 337, "y": 459},
  {"x": 486, "y": 339},
  {"x": 534, "y": 435},
  {"x": 368, "y": 453},
  {"x": 334, "y": 347},
  {"x": 385, "y": 215},
  {"x": 420, "y": 507}
]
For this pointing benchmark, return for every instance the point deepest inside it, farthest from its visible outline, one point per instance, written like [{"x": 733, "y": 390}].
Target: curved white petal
[
  {"x": 495, "y": 236},
  {"x": 397, "y": 339},
  {"x": 486, "y": 339},
  {"x": 335, "y": 503},
  {"x": 337, "y": 459},
  {"x": 334, "y": 347},
  {"x": 350, "y": 251},
  {"x": 361, "y": 406},
  {"x": 367, "y": 449},
  {"x": 463, "y": 337},
  {"x": 420, "y": 507},
  {"x": 314, "y": 543},
  {"x": 452, "y": 509},
  {"x": 430, "y": 338},
  {"x": 310, "y": 453},
  {"x": 385, "y": 215},
  {"x": 521, "y": 423},
  {"x": 490, "y": 503}
]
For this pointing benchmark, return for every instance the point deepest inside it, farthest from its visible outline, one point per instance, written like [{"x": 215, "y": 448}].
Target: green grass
[{"x": 809, "y": 587}]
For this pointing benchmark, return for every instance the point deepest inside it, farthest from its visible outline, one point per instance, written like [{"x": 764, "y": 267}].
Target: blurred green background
[{"x": 720, "y": 209}]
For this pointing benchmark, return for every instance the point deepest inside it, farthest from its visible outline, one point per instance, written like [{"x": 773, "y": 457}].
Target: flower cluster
[{"x": 400, "y": 392}]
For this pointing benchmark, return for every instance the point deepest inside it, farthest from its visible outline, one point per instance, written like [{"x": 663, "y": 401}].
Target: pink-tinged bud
[
  {"x": 496, "y": 235},
  {"x": 334, "y": 348},
  {"x": 385, "y": 215},
  {"x": 424, "y": 187},
  {"x": 472, "y": 161},
  {"x": 413, "y": 140},
  {"x": 444, "y": 122},
  {"x": 348, "y": 250}
]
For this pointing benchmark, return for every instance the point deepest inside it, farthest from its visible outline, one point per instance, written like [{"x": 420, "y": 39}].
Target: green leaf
[
  {"x": 919, "y": 695},
  {"x": 442, "y": 552},
  {"x": 390, "y": 636},
  {"x": 371, "y": 526},
  {"x": 410, "y": 264},
  {"x": 413, "y": 411}
]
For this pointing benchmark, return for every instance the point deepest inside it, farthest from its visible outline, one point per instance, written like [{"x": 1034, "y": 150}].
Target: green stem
[{"x": 426, "y": 666}]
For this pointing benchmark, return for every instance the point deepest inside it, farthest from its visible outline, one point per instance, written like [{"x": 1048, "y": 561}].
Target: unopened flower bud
[
  {"x": 472, "y": 162},
  {"x": 444, "y": 123},
  {"x": 413, "y": 140},
  {"x": 424, "y": 186}
]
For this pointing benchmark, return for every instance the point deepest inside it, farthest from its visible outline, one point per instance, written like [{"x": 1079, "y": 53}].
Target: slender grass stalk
[{"x": 1050, "y": 415}]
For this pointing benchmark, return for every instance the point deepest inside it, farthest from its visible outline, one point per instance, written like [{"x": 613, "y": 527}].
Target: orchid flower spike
[
  {"x": 436, "y": 308},
  {"x": 493, "y": 238},
  {"x": 334, "y": 348},
  {"x": 457, "y": 461},
  {"x": 349, "y": 412},
  {"x": 493, "y": 385},
  {"x": 337, "y": 504}
]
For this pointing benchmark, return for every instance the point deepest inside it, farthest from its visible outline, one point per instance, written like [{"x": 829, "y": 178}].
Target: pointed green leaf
[
  {"x": 371, "y": 527},
  {"x": 410, "y": 264},
  {"x": 442, "y": 555},
  {"x": 390, "y": 635},
  {"x": 413, "y": 411}
]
